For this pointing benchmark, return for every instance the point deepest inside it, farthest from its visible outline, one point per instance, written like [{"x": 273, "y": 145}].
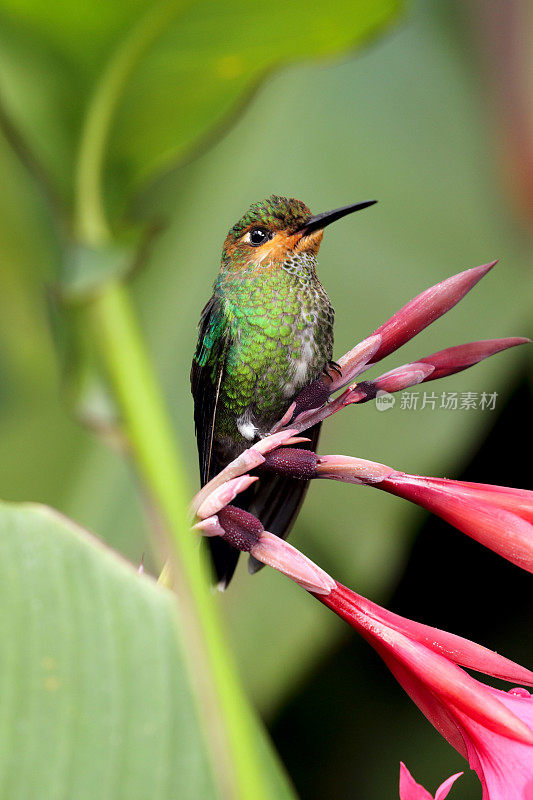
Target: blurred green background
[{"x": 418, "y": 121}]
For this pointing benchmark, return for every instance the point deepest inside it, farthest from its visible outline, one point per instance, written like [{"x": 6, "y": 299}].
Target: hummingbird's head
[{"x": 276, "y": 229}]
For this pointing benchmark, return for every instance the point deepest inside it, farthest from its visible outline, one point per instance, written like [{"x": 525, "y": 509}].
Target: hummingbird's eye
[{"x": 257, "y": 236}]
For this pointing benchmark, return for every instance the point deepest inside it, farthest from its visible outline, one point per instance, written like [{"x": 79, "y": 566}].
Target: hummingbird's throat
[{"x": 310, "y": 243}]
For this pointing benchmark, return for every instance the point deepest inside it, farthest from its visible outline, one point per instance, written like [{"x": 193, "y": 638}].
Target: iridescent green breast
[{"x": 281, "y": 333}]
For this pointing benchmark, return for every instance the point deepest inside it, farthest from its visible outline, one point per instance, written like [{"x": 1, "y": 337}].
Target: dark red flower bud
[
  {"x": 312, "y": 396},
  {"x": 241, "y": 529},
  {"x": 292, "y": 462}
]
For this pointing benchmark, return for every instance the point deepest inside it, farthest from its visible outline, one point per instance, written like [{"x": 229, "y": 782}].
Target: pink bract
[{"x": 411, "y": 790}]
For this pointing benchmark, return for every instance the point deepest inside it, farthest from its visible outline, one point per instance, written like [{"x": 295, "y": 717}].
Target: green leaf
[
  {"x": 97, "y": 698},
  {"x": 206, "y": 62},
  {"x": 142, "y": 84}
]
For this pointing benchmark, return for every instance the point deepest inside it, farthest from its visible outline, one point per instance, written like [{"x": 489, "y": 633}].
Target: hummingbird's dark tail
[{"x": 224, "y": 559}]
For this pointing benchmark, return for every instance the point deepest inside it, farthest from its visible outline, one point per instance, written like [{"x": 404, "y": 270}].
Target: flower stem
[
  {"x": 228, "y": 723},
  {"x": 226, "y": 714}
]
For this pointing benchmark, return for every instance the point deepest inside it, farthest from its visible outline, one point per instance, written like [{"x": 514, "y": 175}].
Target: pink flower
[
  {"x": 492, "y": 729},
  {"x": 411, "y": 790},
  {"x": 504, "y": 767},
  {"x": 499, "y": 517},
  {"x": 310, "y": 406}
]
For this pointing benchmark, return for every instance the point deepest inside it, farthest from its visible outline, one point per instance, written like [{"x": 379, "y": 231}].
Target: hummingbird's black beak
[{"x": 319, "y": 221}]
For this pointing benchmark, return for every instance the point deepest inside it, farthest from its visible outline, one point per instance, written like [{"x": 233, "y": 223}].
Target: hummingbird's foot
[{"x": 334, "y": 367}]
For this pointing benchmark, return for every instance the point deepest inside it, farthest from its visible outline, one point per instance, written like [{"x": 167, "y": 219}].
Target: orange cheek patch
[
  {"x": 278, "y": 247},
  {"x": 273, "y": 252},
  {"x": 282, "y": 243}
]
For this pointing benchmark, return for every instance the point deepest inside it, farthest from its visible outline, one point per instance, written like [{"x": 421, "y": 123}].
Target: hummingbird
[{"x": 265, "y": 334}]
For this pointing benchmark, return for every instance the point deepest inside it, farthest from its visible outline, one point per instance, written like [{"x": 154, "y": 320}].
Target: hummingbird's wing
[
  {"x": 208, "y": 366},
  {"x": 207, "y": 371}
]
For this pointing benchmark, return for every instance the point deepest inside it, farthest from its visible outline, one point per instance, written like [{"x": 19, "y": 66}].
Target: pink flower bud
[
  {"x": 244, "y": 532},
  {"x": 270, "y": 443},
  {"x": 351, "y": 470},
  {"x": 223, "y": 495},
  {"x": 402, "y": 377},
  {"x": 355, "y": 361},
  {"x": 454, "y": 359},
  {"x": 241, "y": 529},
  {"x": 313, "y": 396},
  {"x": 425, "y": 308},
  {"x": 281, "y": 555},
  {"x": 209, "y": 527}
]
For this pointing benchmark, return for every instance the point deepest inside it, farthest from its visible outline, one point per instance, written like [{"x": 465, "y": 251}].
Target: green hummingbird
[{"x": 265, "y": 334}]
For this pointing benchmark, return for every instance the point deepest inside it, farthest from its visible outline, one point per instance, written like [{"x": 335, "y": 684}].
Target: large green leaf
[
  {"x": 210, "y": 58},
  {"x": 97, "y": 700},
  {"x": 160, "y": 76}
]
